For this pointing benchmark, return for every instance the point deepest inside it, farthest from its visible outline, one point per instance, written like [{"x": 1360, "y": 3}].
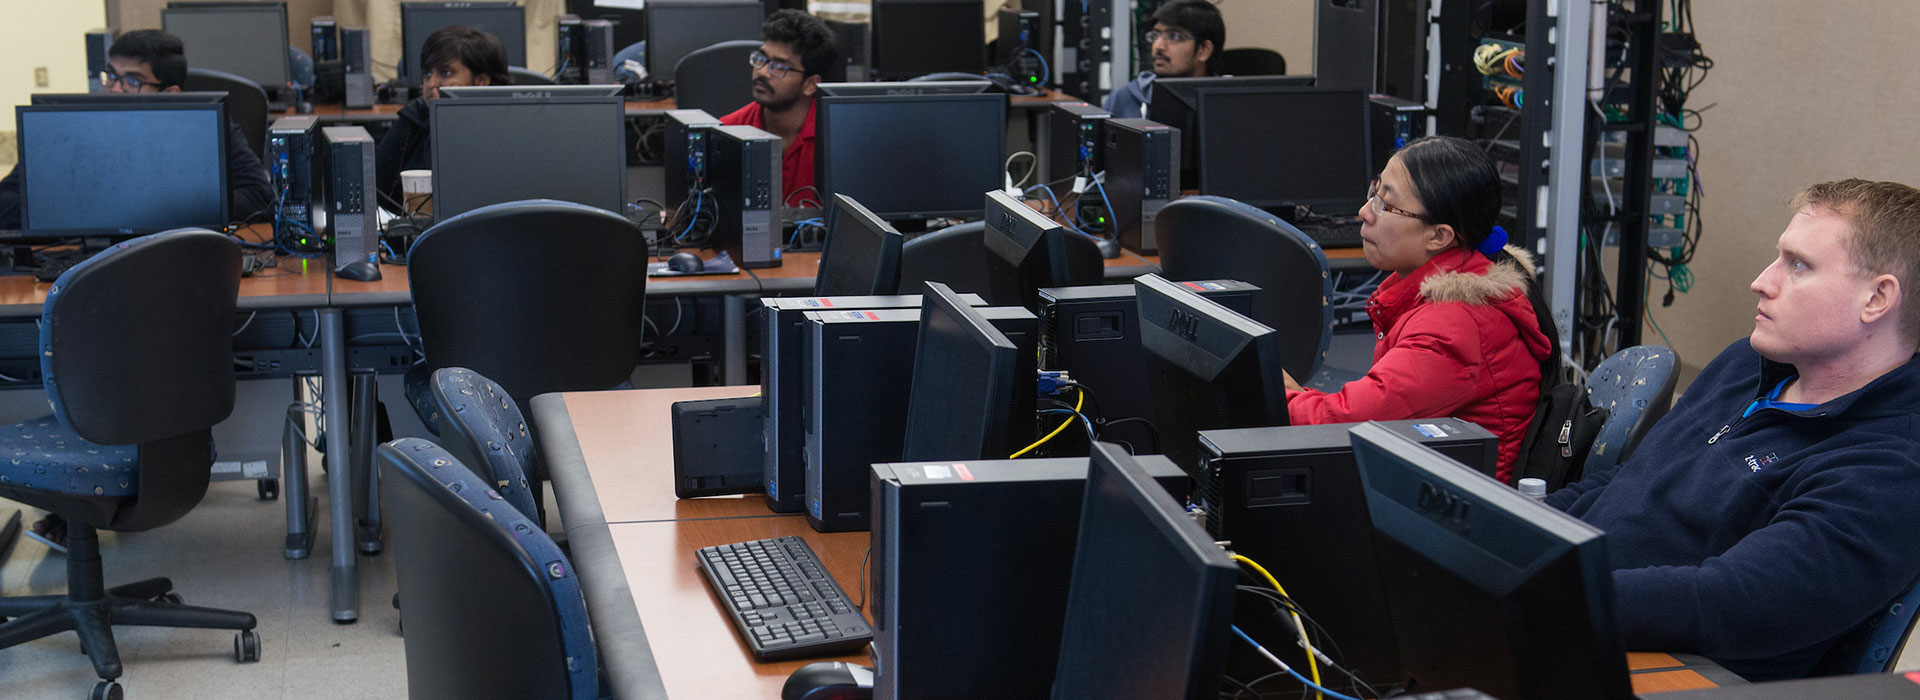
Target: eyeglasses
[
  {"x": 779, "y": 69},
  {"x": 132, "y": 82},
  {"x": 1380, "y": 206},
  {"x": 1177, "y": 37}
]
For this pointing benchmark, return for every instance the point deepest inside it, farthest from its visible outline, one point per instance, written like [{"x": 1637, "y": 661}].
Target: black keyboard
[
  {"x": 782, "y": 600},
  {"x": 1345, "y": 235},
  {"x": 1461, "y": 694}
]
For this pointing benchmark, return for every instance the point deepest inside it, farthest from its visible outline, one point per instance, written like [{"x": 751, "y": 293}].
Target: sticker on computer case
[
  {"x": 1431, "y": 430},
  {"x": 818, "y": 302},
  {"x": 1204, "y": 286},
  {"x": 938, "y": 471},
  {"x": 965, "y": 475},
  {"x": 858, "y": 315}
]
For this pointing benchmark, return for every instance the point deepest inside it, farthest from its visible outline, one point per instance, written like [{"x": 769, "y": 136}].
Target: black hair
[
  {"x": 1201, "y": 19},
  {"x": 808, "y": 36},
  {"x": 1457, "y": 183},
  {"x": 479, "y": 51},
  {"x": 162, "y": 52}
]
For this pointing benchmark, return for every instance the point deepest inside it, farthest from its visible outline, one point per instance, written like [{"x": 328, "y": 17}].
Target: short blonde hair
[{"x": 1885, "y": 218}]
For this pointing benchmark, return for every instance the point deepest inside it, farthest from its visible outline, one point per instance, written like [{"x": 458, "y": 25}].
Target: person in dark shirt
[
  {"x": 796, "y": 50},
  {"x": 153, "y": 61},
  {"x": 455, "y": 56},
  {"x": 1187, "y": 39}
]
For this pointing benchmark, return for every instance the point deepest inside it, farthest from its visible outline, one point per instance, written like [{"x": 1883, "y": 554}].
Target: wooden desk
[{"x": 22, "y": 296}]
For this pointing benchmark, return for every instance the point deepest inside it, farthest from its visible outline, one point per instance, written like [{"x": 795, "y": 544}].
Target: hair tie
[{"x": 1494, "y": 243}]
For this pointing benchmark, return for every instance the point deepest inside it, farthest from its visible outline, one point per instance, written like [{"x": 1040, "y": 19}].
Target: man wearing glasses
[
  {"x": 153, "y": 61},
  {"x": 796, "y": 49},
  {"x": 1186, "y": 38}
]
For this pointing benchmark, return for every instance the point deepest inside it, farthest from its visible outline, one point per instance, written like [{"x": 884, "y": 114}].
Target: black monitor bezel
[
  {"x": 878, "y": 16},
  {"x": 1208, "y": 180},
  {"x": 218, "y": 107},
  {"x": 905, "y": 87},
  {"x": 824, "y": 106},
  {"x": 996, "y": 389},
  {"x": 530, "y": 92},
  {"x": 845, "y": 213},
  {"x": 118, "y": 98},
  {"x": 408, "y": 72},
  {"x": 1203, "y": 340},
  {"x": 655, "y": 71},
  {"x": 617, "y": 114},
  {"x": 285, "y": 58}
]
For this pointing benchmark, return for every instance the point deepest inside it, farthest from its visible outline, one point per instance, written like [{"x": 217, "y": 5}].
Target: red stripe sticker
[
  {"x": 1913, "y": 676},
  {"x": 968, "y": 476}
]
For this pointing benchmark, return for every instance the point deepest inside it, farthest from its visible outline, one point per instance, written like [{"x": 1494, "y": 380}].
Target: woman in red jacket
[{"x": 1456, "y": 334}]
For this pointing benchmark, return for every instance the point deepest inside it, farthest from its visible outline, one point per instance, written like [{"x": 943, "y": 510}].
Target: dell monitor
[
  {"x": 862, "y": 257},
  {"x": 1151, "y": 596},
  {"x": 116, "y": 98},
  {"x": 1285, "y": 146},
  {"x": 1207, "y": 367},
  {"x": 1028, "y": 251},
  {"x": 1175, "y": 104},
  {"x": 963, "y": 383},
  {"x": 533, "y": 91},
  {"x": 676, "y": 28},
  {"x": 118, "y": 168},
  {"x": 246, "y": 39},
  {"x": 918, "y": 37},
  {"x": 506, "y": 21},
  {"x": 911, "y": 156},
  {"x": 907, "y": 87},
  {"x": 488, "y": 150},
  {"x": 1487, "y": 588}
]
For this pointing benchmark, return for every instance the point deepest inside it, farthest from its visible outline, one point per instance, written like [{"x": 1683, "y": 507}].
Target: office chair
[
  {"x": 493, "y": 607},
  {"x": 246, "y": 103},
  {"x": 1218, "y": 238},
  {"x": 528, "y": 76},
  {"x": 1635, "y": 388},
  {"x": 489, "y": 434},
  {"x": 1875, "y": 645},
  {"x": 136, "y": 352},
  {"x": 636, "y": 52},
  {"x": 717, "y": 79},
  {"x": 1252, "y": 61},
  {"x": 957, "y": 256}
]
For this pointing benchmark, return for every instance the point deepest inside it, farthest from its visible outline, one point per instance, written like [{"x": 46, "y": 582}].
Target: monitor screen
[
  {"x": 122, "y": 168},
  {"x": 907, "y": 87},
  {"x": 1272, "y": 146},
  {"x": 917, "y": 37},
  {"x": 911, "y": 156},
  {"x": 506, "y": 21},
  {"x": 1175, "y": 103},
  {"x": 1029, "y": 250},
  {"x": 1487, "y": 588},
  {"x": 249, "y": 41},
  {"x": 1151, "y": 596},
  {"x": 676, "y": 28},
  {"x": 1208, "y": 367},
  {"x": 493, "y": 150},
  {"x": 962, "y": 383},
  {"x": 862, "y": 257}
]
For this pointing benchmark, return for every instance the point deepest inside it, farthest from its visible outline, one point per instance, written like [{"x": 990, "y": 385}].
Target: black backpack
[{"x": 1564, "y": 423}]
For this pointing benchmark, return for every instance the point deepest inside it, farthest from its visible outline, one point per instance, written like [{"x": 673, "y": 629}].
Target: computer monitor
[
  {"x": 110, "y": 168},
  {"x": 506, "y": 21},
  {"x": 962, "y": 383},
  {"x": 488, "y": 150},
  {"x": 917, "y": 37},
  {"x": 1207, "y": 366},
  {"x": 862, "y": 257},
  {"x": 676, "y": 28},
  {"x": 246, "y": 39},
  {"x": 1151, "y": 597},
  {"x": 911, "y": 156},
  {"x": 1294, "y": 145},
  {"x": 1175, "y": 101},
  {"x": 907, "y": 87},
  {"x": 1487, "y": 588},
  {"x": 533, "y": 91},
  {"x": 113, "y": 98},
  {"x": 1029, "y": 251}
]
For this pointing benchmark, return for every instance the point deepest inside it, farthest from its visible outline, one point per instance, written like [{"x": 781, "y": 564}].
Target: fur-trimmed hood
[{"x": 1501, "y": 280}]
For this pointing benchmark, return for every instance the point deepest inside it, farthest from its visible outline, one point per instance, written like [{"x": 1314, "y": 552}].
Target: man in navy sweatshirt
[{"x": 1778, "y": 505}]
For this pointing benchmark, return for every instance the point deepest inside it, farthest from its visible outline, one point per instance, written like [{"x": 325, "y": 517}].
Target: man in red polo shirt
[{"x": 796, "y": 49}]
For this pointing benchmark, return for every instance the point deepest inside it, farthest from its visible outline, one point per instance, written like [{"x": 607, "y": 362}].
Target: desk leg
[
  {"x": 293, "y": 459},
  {"x": 333, "y": 393},
  {"x": 366, "y": 407},
  {"x": 733, "y": 317}
]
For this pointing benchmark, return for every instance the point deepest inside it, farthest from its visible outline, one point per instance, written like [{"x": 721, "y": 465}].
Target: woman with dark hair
[
  {"x": 455, "y": 56},
  {"x": 1456, "y": 330}
]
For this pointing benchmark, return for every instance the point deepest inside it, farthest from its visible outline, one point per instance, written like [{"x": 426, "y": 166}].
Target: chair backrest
[
  {"x": 1253, "y": 61},
  {"x": 1874, "y": 646},
  {"x": 716, "y": 78},
  {"x": 493, "y": 608},
  {"x": 527, "y": 76},
  {"x": 300, "y": 70},
  {"x": 246, "y": 103},
  {"x": 1635, "y": 388},
  {"x": 538, "y": 295},
  {"x": 488, "y": 433},
  {"x": 1219, "y": 238},
  {"x": 957, "y": 256},
  {"x": 636, "y": 52}
]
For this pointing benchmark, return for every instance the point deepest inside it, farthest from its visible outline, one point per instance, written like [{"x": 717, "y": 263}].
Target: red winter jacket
[{"x": 1458, "y": 337}]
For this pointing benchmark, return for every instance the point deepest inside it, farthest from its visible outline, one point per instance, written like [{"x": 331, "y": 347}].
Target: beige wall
[
  {"x": 1285, "y": 26},
  {"x": 42, "y": 33},
  {"x": 145, "y": 14}
]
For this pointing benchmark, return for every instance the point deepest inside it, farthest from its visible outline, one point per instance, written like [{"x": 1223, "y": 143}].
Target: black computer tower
[
  {"x": 852, "y": 40},
  {"x": 782, "y": 385},
  {"x": 569, "y": 50},
  {"x": 599, "y": 49},
  {"x": 98, "y": 42},
  {"x": 684, "y": 165},
  {"x": 350, "y": 195},
  {"x": 1376, "y": 45},
  {"x": 1071, "y": 140},
  {"x": 1394, "y": 122},
  {"x": 290, "y": 165},
  {"x": 1142, "y": 162},
  {"x": 744, "y": 163},
  {"x": 356, "y": 59},
  {"x": 971, "y": 563},
  {"x": 326, "y": 39},
  {"x": 1291, "y": 499},
  {"x": 1019, "y": 48},
  {"x": 859, "y": 376}
]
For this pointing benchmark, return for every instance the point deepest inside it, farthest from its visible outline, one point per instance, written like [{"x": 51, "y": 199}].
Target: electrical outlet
[{"x": 40, "y": 76}]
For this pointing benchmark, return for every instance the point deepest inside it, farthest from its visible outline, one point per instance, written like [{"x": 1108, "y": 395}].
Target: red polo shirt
[{"x": 796, "y": 165}]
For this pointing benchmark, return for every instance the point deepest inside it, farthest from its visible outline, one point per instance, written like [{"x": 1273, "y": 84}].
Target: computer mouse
[
  {"x": 360, "y": 271},
  {"x": 1109, "y": 247},
  {"x": 829, "y": 680},
  {"x": 685, "y": 262}
]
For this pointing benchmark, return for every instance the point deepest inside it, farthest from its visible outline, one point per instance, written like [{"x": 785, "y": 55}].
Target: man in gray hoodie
[{"x": 1187, "y": 38}]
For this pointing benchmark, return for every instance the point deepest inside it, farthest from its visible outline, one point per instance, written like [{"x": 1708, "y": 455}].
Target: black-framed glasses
[
  {"x": 1173, "y": 35},
  {"x": 759, "y": 59},
  {"x": 132, "y": 82},
  {"x": 1380, "y": 206}
]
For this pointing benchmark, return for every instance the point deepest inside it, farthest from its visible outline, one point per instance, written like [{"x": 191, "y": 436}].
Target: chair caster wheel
[
  {"x": 170, "y": 599},
  {"x": 246, "y": 646},
  {"x": 269, "y": 489},
  {"x": 107, "y": 690}
]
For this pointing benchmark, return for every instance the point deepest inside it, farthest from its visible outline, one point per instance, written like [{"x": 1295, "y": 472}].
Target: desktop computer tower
[
  {"x": 98, "y": 41},
  {"x": 851, "y": 38},
  {"x": 1291, "y": 498},
  {"x": 570, "y": 40},
  {"x": 971, "y": 563},
  {"x": 782, "y": 336},
  {"x": 600, "y": 48},
  {"x": 1142, "y": 162},
  {"x": 356, "y": 59},
  {"x": 1379, "y": 45},
  {"x": 326, "y": 39},
  {"x": 859, "y": 376},
  {"x": 1019, "y": 42},
  {"x": 684, "y": 165},
  {"x": 745, "y": 164},
  {"x": 290, "y": 164},
  {"x": 351, "y": 194},
  {"x": 1394, "y": 122},
  {"x": 1071, "y": 140}
]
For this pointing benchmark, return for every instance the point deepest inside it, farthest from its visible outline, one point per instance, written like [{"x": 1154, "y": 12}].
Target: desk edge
[{"x": 617, "y": 630}]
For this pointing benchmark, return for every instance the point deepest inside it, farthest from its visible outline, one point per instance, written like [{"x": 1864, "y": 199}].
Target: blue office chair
[
  {"x": 717, "y": 78},
  {"x": 489, "y": 434},
  {"x": 1635, "y": 388},
  {"x": 636, "y": 52},
  {"x": 1874, "y": 646},
  {"x": 493, "y": 607},
  {"x": 300, "y": 70},
  {"x": 246, "y": 103},
  {"x": 136, "y": 353},
  {"x": 1209, "y": 237},
  {"x": 527, "y": 76},
  {"x": 957, "y": 256}
]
